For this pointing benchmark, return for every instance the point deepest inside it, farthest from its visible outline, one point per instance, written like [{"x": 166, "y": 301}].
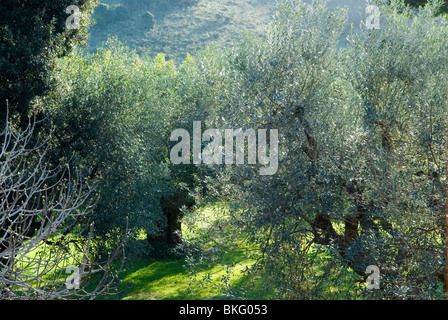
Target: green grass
[
  {"x": 169, "y": 280},
  {"x": 219, "y": 272},
  {"x": 155, "y": 280},
  {"x": 211, "y": 278}
]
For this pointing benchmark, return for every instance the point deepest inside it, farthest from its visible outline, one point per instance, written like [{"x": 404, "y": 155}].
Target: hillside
[
  {"x": 184, "y": 26},
  {"x": 180, "y": 27}
]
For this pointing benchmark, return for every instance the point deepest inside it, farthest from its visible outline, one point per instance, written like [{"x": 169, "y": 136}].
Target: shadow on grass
[
  {"x": 154, "y": 280},
  {"x": 168, "y": 280}
]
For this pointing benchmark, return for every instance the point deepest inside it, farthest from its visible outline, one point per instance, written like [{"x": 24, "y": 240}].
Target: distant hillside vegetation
[{"x": 178, "y": 27}]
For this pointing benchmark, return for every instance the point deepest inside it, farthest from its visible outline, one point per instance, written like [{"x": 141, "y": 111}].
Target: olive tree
[
  {"x": 361, "y": 147},
  {"x": 286, "y": 81},
  {"x": 398, "y": 73},
  {"x": 113, "y": 112}
]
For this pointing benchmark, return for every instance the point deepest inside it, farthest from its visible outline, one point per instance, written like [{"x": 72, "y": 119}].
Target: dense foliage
[
  {"x": 32, "y": 35},
  {"x": 362, "y": 142},
  {"x": 112, "y": 111}
]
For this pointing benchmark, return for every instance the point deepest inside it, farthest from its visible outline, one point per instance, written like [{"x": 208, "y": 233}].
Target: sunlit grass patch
[
  {"x": 42, "y": 267},
  {"x": 160, "y": 280},
  {"x": 217, "y": 274}
]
